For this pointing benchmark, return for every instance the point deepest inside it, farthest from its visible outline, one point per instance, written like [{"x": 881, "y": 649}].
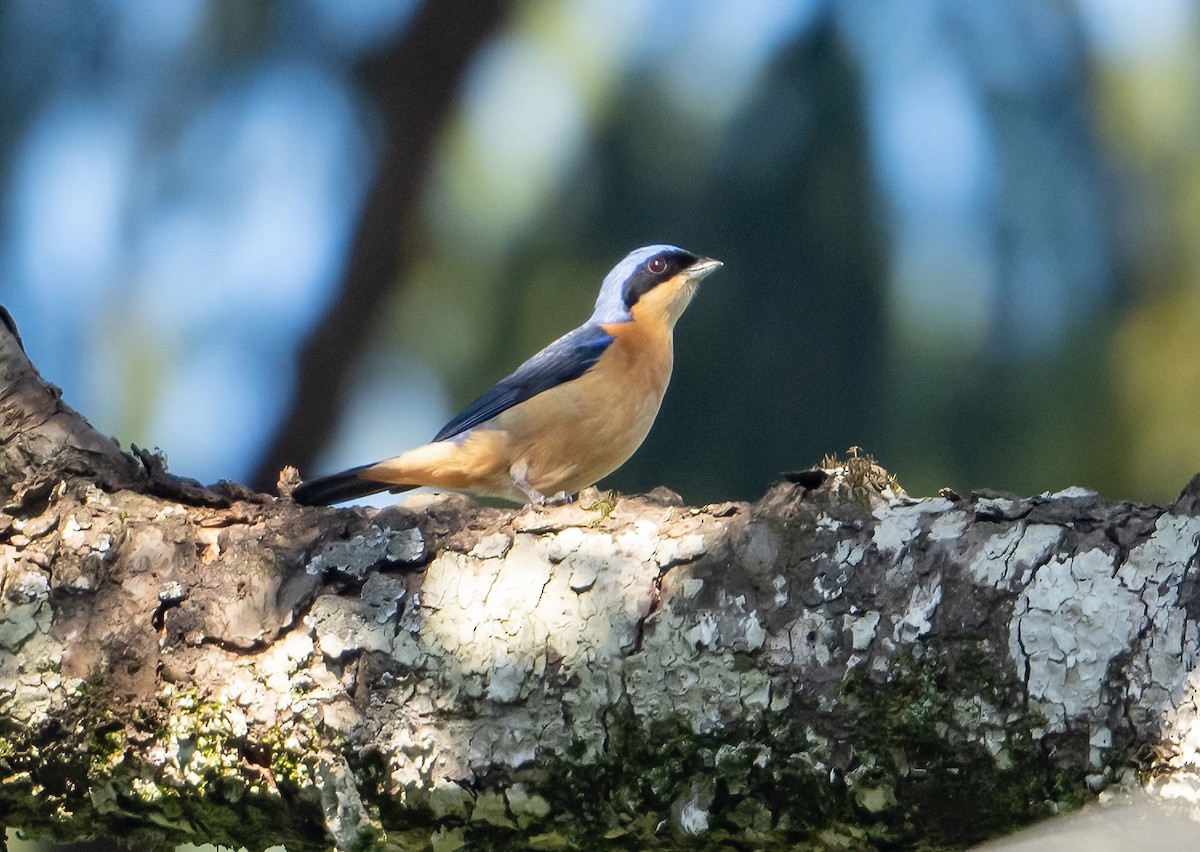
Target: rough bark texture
[{"x": 833, "y": 666}]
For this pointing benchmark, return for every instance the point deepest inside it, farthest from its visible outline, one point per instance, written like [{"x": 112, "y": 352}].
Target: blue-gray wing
[{"x": 567, "y": 358}]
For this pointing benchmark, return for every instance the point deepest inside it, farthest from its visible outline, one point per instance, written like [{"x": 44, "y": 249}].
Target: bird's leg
[
  {"x": 562, "y": 498},
  {"x": 517, "y": 472}
]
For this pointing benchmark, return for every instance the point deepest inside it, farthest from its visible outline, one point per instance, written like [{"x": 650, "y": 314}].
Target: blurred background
[{"x": 964, "y": 236}]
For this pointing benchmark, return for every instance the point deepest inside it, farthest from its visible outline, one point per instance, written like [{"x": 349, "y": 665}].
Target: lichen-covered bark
[{"x": 835, "y": 665}]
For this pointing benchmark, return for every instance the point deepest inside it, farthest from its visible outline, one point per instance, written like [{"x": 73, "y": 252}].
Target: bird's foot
[
  {"x": 541, "y": 501},
  {"x": 535, "y": 497}
]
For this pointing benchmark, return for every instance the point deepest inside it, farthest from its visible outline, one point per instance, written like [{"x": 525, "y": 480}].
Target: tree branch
[
  {"x": 40, "y": 431},
  {"x": 833, "y": 664}
]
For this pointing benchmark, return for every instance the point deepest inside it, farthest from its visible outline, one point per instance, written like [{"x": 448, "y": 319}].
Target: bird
[{"x": 567, "y": 417}]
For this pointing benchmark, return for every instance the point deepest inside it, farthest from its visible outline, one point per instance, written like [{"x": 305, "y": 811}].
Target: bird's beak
[{"x": 703, "y": 267}]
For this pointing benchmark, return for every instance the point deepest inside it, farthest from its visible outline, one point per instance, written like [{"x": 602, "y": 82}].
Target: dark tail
[{"x": 339, "y": 487}]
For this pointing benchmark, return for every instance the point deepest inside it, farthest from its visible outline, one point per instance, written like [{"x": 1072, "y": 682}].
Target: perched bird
[{"x": 570, "y": 415}]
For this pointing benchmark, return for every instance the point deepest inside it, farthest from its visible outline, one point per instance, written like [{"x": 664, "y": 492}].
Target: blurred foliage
[
  {"x": 1151, "y": 119},
  {"x": 961, "y": 236}
]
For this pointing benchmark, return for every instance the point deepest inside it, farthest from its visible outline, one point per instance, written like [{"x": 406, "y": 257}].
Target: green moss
[
  {"x": 910, "y": 771},
  {"x": 950, "y": 789},
  {"x": 287, "y": 765},
  {"x": 914, "y": 774},
  {"x": 96, "y": 780},
  {"x": 765, "y": 796}
]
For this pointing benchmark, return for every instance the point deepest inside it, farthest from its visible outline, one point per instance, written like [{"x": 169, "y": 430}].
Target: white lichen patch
[
  {"x": 704, "y": 632},
  {"x": 690, "y": 813},
  {"x": 1073, "y": 493},
  {"x": 1037, "y": 541},
  {"x": 518, "y": 584},
  {"x": 74, "y": 531},
  {"x": 673, "y": 677},
  {"x": 1001, "y": 506},
  {"x": 29, "y": 680},
  {"x": 381, "y": 598},
  {"x": 488, "y": 628},
  {"x": 564, "y": 542},
  {"x": 848, "y": 553},
  {"x": 1012, "y": 553},
  {"x": 899, "y": 521},
  {"x": 731, "y": 624},
  {"x": 1155, "y": 570},
  {"x": 344, "y": 625},
  {"x": 638, "y": 541},
  {"x": 1079, "y": 613},
  {"x": 949, "y": 526},
  {"x": 1100, "y": 742},
  {"x": 345, "y": 816},
  {"x": 829, "y": 587},
  {"x": 1170, "y": 665},
  {"x": 358, "y": 554},
  {"x": 673, "y": 551},
  {"x": 1066, "y": 665},
  {"x": 27, "y": 587},
  {"x": 1162, "y": 559},
  {"x": 512, "y": 739},
  {"x": 780, "y": 585},
  {"x": 492, "y": 546},
  {"x": 1182, "y": 734},
  {"x": 750, "y": 633},
  {"x": 992, "y": 563},
  {"x": 810, "y": 640},
  {"x": 24, "y": 608},
  {"x": 587, "y": 560},
  {"x": 917, "y": 618},
  {"x": 505, "y": 680},
  {"x": 269, "y": 687},
  {"x": 862, "y": 629}
]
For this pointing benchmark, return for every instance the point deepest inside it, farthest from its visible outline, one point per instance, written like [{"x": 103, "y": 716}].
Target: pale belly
[
  {"x": 566, "y": 439},
  {"x": 570, "y": 437}
]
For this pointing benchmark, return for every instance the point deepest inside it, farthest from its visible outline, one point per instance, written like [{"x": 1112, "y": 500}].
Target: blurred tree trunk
[
  {"x": 835, "y": 664},
  {"x": 414, "y": 84}
]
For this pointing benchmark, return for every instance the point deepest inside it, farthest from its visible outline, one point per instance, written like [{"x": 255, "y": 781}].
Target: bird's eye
[{"x": 657, "y": 265}]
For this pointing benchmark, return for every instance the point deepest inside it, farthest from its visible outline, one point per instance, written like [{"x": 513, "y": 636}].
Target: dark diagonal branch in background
[{"x": 415, "y": 83}]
